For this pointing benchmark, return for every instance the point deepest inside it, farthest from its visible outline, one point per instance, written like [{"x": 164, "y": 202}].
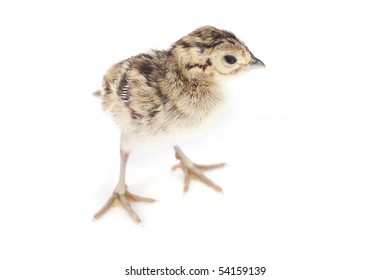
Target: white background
[{"x": 307, "y": 188}]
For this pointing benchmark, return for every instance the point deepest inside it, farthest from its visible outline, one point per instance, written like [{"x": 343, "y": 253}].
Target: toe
[{"x": 105, "y": 208}]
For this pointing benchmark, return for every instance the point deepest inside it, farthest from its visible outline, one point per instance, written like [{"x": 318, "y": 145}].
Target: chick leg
[
  {"x": 121, "y": 196},
  {"x": 195, "y": 171}
]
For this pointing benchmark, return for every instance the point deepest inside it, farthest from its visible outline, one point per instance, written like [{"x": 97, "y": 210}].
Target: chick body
[
  {"x": 162, "y": 97},
  {"x": 153, "y": 106}
]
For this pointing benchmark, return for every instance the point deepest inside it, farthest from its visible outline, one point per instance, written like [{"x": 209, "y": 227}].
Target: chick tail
[{"x": 97, "y": 93}]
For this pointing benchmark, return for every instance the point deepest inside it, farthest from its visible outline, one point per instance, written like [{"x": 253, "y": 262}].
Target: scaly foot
[
  {"x": 195, "y": 171},
  {"x": 123, "y": 199}
]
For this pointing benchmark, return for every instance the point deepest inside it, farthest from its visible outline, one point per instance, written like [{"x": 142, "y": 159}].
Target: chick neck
[{"x": 190, "y": 71}]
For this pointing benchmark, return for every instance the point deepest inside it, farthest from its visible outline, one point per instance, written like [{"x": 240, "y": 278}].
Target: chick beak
[{"x": 255, "y": 62}]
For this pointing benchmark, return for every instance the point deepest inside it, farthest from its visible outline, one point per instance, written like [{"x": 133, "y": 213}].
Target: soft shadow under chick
[{"x": 161, "y": 95}]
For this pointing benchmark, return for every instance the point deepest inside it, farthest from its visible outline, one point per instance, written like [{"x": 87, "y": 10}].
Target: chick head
[{"x": 209, "y": 53}]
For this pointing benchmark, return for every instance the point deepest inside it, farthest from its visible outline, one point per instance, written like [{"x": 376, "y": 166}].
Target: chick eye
[{"x": 230, "y": 59}]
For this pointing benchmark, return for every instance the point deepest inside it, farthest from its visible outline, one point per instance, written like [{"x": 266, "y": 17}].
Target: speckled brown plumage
[{"x": 158, "y": 96}]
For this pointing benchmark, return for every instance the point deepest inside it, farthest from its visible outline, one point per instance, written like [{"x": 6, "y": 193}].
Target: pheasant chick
[{"x": 163, "y": 95}]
